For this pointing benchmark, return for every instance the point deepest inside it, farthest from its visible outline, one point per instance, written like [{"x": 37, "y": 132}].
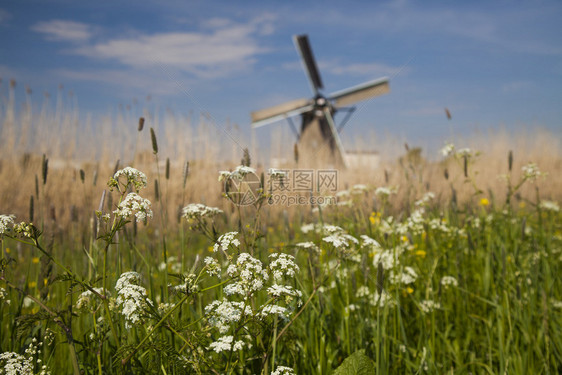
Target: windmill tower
[{"x": 318, "y": 137}]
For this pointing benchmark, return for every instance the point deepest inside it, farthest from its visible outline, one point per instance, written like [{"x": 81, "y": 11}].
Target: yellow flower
[
  {"x": 484, "y": 202},
  {"x": 404, "y": 239},
  {"x": 210, "y": 249},
  {"x": 35, "y": 260},
  {"x": 421, "y": 253},
  {"x": 521, "y": 204},
  {"x": 32, "y": 284},
  {"x": 8, "y": 250},
  {"x": 409, "y": 290}
]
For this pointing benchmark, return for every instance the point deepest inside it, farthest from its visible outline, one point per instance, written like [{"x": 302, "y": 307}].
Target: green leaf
[{"x": 358, "y": 363}]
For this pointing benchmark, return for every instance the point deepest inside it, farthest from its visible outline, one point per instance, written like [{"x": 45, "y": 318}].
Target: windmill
[{"x": 318, "y": 131}]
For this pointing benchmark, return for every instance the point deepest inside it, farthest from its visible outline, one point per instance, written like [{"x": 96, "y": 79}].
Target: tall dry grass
[{"x": 73, "y": 141}]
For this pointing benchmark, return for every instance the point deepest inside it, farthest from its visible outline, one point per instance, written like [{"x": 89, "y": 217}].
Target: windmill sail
[
  {"x": 281, "y": 111},
  {"x": 303, "y": 46},
  {"x": 360, "y": 92}
]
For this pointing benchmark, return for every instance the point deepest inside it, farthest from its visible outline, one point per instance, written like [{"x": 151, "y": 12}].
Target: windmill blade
[
  {"x": 281, "y": 111},
  {"x": 335, "y": 135},
  {"x": 301, "y": 42},
  {"x": 360, "y": 92}
]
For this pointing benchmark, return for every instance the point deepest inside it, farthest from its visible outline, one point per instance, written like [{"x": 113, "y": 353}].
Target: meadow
[{"x": 121, "y": 254}]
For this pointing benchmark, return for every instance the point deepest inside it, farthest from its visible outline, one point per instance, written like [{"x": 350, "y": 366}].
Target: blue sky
[{"x": 492, "y": 64}]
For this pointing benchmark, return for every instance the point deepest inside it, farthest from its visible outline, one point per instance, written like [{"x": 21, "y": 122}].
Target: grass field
[{"x": 448, "y": 266}]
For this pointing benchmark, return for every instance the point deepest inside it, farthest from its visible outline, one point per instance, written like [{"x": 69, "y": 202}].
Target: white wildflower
[
  {"x": 449, "y": 281},
  {"x": 6, "y": 224},
  {"x": 380, "y": 300},
  {"x": 384, "y": 191},
  {"x": 15, "y": 364},
  {"x": 531, "y": 172},
  {"x": 283, "y": 290},
  {"x": 549, "y": 206},
  {"x": 251, "y": 276},
  {"x": 282, "y": 265},
  {"x": 308, "y": 246},
  {"x": 388, "y": 258},
  {"x": 87, "y": 298},
  {"x": 200, "y": 211},
  {"x": 134, "y": 204},
  {"x": 359, "y": 188},
  {"x": 131, "y": 298},
  {"x": 132, "y": 176},
  {"x": 369, "y": 242},
  {"x": 222, "y": 313},
  {"x": 342, "y": 194},
  {"x": 283, "y": 370},
  {"x": 341, "y": 240},
  {"x": 225, "y": 343},
  {"x": 407, "y": 276},
  {"x": 362, "y": 291},
  {"x": 556, "y": 304},
  {"x": 276, "y": 173},
  {"x": 225, "y": 241},
  {"x": 280, "y": 311},
  {"x": 464, "y": 152},
  {"x": 427, "y": 197},
  {"x": 447, "y": 149},
  {"x": 428, "y": 306},
  {"x": 224, "y": 175},
  {"x": 213, "y": 267}
]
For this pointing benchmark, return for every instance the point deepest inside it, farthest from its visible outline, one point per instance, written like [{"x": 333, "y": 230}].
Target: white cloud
[
  {"x": 61, "y": 30},
  {"x": 219, "y": 48}
]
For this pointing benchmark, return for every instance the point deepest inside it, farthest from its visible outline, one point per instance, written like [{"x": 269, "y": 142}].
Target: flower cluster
[
  {"x": 221, "y": 314},
  {"x": 128, "y": 177},
  {"x": 449, "y": 281},
  {"x": 227, "y": 343},
  {"x": 16, "y": 364},
  {"x": 282, "y": 265},
  {"x": 427, "y": 306},
  {"x": 134, "y": 204},
  {"x": 225, "y": 241},
  {"x": 238, "y": 174},
  {"x": 6, "y": 224},
  {"x": 87, "y": 299},
  {"x": 531, "y": 172},
  {"x": 249, "y": 273},
  {"x": 131, "y": 298},
  {"x": 200, "y": 211},
  {"x": 24, "y": 229},
  {"x": 283, "y": 370}
]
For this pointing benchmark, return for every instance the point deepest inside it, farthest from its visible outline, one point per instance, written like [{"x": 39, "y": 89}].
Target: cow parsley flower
[
  {"x": 388, "y": 258},
  {"x": 428, "y": 306},
  {"x": 447, "y": 149},
  {"x": 87, "y": 300},
  {"x": 282, "y": 265},
  {"x": 340, "y": 240},
  {"x": 407, "y": 276},
  {"x": 225, "y": 343},
  {"x": 308, "y": 246},
  {"x": 280, "y": 311},
  {"x": 380, "y": 300},
  {"x": 531, "y": 172},
  {"x": 449, "y": 281},
  {"x": 15, "y": 364},
  {"x": 369, "y": 242},
  {"x": 6, "y": 224},
  {"x": 131, "y": 298},
  {"x": 134, "y": 204},
  {"x": 225, "y": 241},
  {"x": 128, "y": 176},
  {"x": 283, "y": 370},
  {"x": 200, "y": 211},
  {"x": 427, "y": 197},
  {"x": 250, "y": 273},
  {"x": 222, "y": 313},
  {"x": 213, "y": 267},
  {"x": 549, "y": 206}
]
